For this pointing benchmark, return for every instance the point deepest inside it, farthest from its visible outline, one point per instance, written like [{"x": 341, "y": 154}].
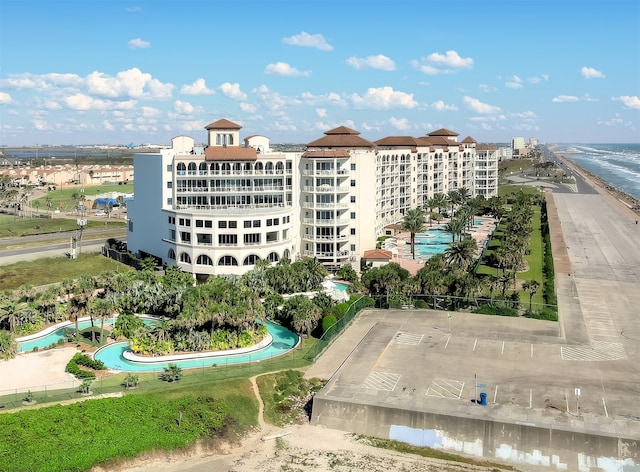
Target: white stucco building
[{"x": 216, "y": 209}]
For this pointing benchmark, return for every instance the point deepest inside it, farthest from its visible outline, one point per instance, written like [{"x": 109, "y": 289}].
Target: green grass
[
  {"x": 506, "y": 190},
  {"x": 516, "y": 165},
  {"x": 81, "y": 435},
  {"x": 11, "y": 226},
  {"x": 63, "y": 195},
  {"x": 55, "y": 269},
  {"x": 406, "y": 448}
]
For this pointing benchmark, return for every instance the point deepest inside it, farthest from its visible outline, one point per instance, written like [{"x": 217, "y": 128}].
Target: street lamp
[{"x": 82, "y": 222}]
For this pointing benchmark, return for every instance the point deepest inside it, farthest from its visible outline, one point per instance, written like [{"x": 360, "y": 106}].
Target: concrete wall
[{"x": 521, "y": 444}]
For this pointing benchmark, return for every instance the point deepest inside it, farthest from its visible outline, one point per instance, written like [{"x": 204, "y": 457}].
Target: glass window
[
  {"x": 222, "y": 224},
  {"x": 353, "y": 215}
]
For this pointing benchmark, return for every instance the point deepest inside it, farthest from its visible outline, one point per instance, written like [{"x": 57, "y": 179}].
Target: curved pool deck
[{"x": 117, "y": 356}]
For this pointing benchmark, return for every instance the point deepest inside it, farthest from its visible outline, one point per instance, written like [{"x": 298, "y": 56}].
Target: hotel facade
[{"x": 217, "y": 209}]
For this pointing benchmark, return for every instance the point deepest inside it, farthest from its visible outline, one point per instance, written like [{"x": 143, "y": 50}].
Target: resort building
[{"x": 217, "y": 209}]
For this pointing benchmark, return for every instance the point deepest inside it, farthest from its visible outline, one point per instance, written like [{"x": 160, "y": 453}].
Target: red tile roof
[
  {"x": 230, "y": 153},
  {"x": 327, "y": 153},
  {"x": 469, "y": 139},
  {"x": 223, "y": 124},
  {"x": 443, "y": 132},
  {"x": 378, "y": 254},
  {"x": 341, "y": 137}
]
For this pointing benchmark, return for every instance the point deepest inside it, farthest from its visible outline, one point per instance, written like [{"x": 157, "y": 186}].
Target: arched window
[
  {"x": 226, "y": 168},
  {"x": 203, "y": 168},
  {"x": 215, "y": 168},
  {"x": 258, "y": 168},
  {"x": 273, "y": 257},
  {"x": 228, "y": 261},
  {"x": 247, "y": 167},
  {"x": 268, "y": 168},
  {"x": 184, "y": 257},
  {"x": 279, "y": 168},
  {"x": 237, "y": 167},
  {"x": 181, "y": 168},
  {"x": 172, "y": 254},
  {"x": 286, "y": 254},
  {"x": 251, "y": 259},
  {"x": 203, "y": 259}
]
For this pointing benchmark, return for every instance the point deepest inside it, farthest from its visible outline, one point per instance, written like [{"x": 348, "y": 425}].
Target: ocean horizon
[{"x": 616, "y": 164}]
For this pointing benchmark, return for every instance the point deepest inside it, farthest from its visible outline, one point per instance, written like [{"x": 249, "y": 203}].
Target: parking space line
[
  {"x": 475, "y": 343},
  {"x": 495, "y": 395},
  {"x": 532, "y": 350},
  {"x": 502, "y": 348},
  {"x": 447, "y": 343}
]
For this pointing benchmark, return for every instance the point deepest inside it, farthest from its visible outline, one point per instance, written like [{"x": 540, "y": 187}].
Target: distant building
[
  {"x": 218, "y": 209},
  {"x": 517, "y": 144}
]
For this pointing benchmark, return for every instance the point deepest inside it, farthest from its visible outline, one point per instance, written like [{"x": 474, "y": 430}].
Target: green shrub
[
  {"x": 173, "y": 373},
  {"x": 85, "y": 361},
  {"x": 420, "y": 304},
  {"x": 546, "y": 313},
  {"x": 327, "y": 322},
  {"x": 494, "y": 309}
]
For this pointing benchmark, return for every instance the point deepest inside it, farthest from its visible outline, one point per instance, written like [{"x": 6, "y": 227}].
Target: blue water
[
  {"x": 56, "y": 335},
  {"x": 341, "y": 287},
  {"x": 617, "y": 164},
  {"x": 283, "y": 341}
]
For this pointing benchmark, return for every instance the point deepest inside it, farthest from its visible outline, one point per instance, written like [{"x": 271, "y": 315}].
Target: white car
[{"x": 101, "y": 213}]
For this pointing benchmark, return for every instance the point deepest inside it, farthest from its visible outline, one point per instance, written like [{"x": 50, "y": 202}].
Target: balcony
[
  {"x": 322, "y": 222},
  {"x": 327, "y": 255},
  {"x": 325, "y": 172},
  {"x": 325, "y": 238},
  {"x": 326, "y": 189}
]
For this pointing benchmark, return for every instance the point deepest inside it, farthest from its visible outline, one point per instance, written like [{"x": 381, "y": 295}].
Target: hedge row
[{"x": 85, "y": 361}]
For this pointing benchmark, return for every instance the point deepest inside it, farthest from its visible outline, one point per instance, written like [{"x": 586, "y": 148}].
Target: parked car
[{"x": 101, "y": 213}]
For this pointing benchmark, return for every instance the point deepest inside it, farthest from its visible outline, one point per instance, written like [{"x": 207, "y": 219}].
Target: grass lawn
[
  {"x": 506, "y": 190},
  {"x": 61, "y": 197},
  {"x": 516, "y": 165},
  {"x": 11, "y": 226},
  {"x": 534, "y": 260},
  {"x": 55, "y": 269}
]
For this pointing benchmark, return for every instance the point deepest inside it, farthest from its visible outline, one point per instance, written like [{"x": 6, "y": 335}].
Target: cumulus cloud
[
  {"x": 479, "y": 107},
  {"x": 5, "y": 98},
  {"x": 82, "y": 102},
  {"x": 233, "y": 91},
  {"x": 591, "y": 73},
  {"x": 565, "y": 98},
  {"x": 321, "y": 112},
  {"x": 514, "y": 82},
  {"x": 399, "y": 123},
  {"x": 629, "y": 101},
  {"x": 487, "y": 88},
  {"x": 308, "y": 40},
  {"x": 331, "y": 98},
  {"x": 282, "y": 68},
  {"x": 139, "y": 44},
  {"x": 129, "y": 83},
  {"x": 447, "y": 63},
  {"x": 184, "y": 108},
  {"x": 199, "y": 87},
  {"x": 439, "y": 105},
  {"x": 380, "y": 62},
  {"x": 106, "y": 124},
  {"x": 248, "y": 107},
  {"x": 383, "y": 98}
]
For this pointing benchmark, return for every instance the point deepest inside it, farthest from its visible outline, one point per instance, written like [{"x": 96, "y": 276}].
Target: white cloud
[
  {"x": 565, "y": 98},
  {"x": 282, "y": 68},
  {"x": 515, "y": 82},
  {"x": 308, "y": 40},
  {"x": 399, "y": 123},
  {"x": 106, "y": 124},
  {"x": 199, "y": 87},
  {"x": 321, "y": 112},
  {"x": 479, "y": 107},
  {"x": 383, "y": 98},
  {"x": 21, "y": 83},
  {"x": 447, "y": 63},
  {"x": 487, "y": 88},
  {"x": 150, "y": 111},
  {"x": 129, "y": 83},
  {"x": 591, "y": 73},
  {"x": 82, "y": 102},
  {"x": 331, "y": 99},
  {"x": 248, "y": 107},
  {"x": 138, "y": 43},
  {"x": 629, "y": 101},
  {"x": 380, "y": 62},
  {"x": 233, "y": 91},
  {"x": 5, "y": 98},
  {"x": 537, "y": 80},
  {"x": 183, "y": 108},
  {"x": 439, "y": 105}
]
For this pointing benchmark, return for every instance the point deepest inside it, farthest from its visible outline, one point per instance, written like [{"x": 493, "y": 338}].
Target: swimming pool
[
  {"x": 341, "y": 287},
  {"x": 53, "y": 334},
  {"x": 283, "y": 341}
]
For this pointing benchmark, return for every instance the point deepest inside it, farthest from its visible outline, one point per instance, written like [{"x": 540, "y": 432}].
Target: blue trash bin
[{"x": 483, "y": 399}]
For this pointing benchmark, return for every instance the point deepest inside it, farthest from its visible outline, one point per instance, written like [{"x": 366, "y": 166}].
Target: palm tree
[
  {"x": 531, "y": 286},
  {"x": 461, "y": 253},
  {"x": 440, "y": 200},
  {"x": 414, "y": 223},
  {"x": 101, "y": 308},
  {"x": 453, "y": 198},
  {"x": 455, "y": 227}
]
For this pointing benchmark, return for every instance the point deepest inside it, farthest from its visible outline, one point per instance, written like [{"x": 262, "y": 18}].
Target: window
[
  {"x": 203, "y": 259},
  {"x": 251, "y": 259},
  {"x": 172, "y": 220},
  {"x": 276, "y": 221},
  {"x": 353, "y": 248},
  {"x": 353, "y": 166},
  {"x": 353, "y": 182},
  {"x": 272, "y": 236},
  {"x": 169, "y": 184},
  {"x": 185, "y": 236},
  {"x": 172, "y": 235},
  {"x": 353, "y": 198},
  {"x": 353, "y": 231},
  {"x": 199, "y": 224},
  {"x": 247, "y": 224},
  {"x": 269, "y": 222},
  {"x": 204, "y": 239},
  {"x": 172, "y": 254},
  {"x": 353, "y": 215},
  {"x": 228, "y": 240},
  {"x": 228, "y": 261},
  {"x": 233, "y": 224},
  {"x": 208, "y": 224},
  {"x": 222, "y": 224},
  {"x": 273, "y": 257},
  {"x": 184, "y": 257},
  {"x": 252, "y": 238},
  {"x": 169, "y": 169},
  {"x": 256, "y": 223},
  {"x": 169, "y": 201}
]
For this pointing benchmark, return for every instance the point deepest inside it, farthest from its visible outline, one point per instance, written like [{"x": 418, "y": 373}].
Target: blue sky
[{"x": 115, "y": 72}]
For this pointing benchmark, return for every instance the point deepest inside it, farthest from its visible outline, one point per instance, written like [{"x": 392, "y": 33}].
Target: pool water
[
  {"x": 437, "y": 241},
  {"x": 341, "y": 287},
  {"x": 283, "y": 341}
]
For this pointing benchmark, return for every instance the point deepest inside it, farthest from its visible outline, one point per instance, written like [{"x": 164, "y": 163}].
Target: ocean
[{"x": 617, "y": 164}]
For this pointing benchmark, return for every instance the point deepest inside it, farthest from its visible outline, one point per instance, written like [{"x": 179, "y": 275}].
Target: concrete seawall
[{"x": 525, "y": 445}]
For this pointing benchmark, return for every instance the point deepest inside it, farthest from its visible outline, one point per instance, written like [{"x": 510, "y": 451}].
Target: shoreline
[{"x": 599, "y": 184}]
